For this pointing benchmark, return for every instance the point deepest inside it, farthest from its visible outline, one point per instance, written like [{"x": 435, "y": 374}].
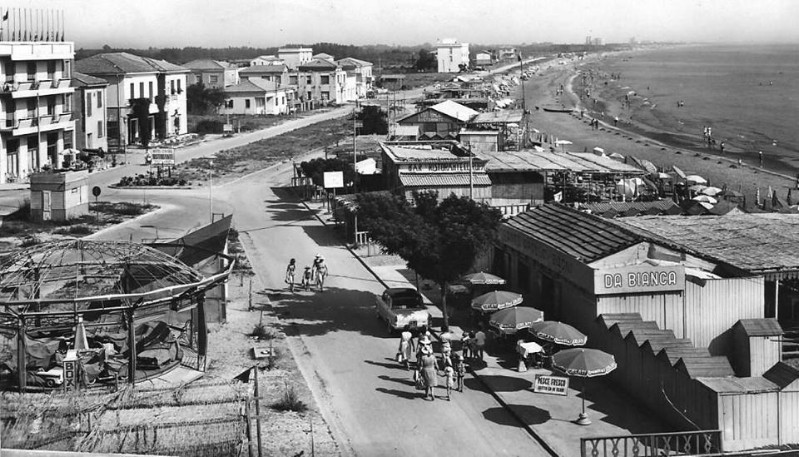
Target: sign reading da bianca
[{"x": 639, "y": 278}]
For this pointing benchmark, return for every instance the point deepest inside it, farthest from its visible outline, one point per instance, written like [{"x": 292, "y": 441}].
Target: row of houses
[{"x": 294, "y": 80}]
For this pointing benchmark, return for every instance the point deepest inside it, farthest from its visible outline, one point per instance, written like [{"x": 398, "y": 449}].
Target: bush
[
  {"x": 261, "y": 332},
  {"x": 209, "y": 126},
  {"x": 78, "y": 230},
  {"x": 31, "y": 240},
  {"x": 290, "y": 401}
]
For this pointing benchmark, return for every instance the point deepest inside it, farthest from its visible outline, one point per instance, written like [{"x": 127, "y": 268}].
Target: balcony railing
[{"x": 703, "y": 442}]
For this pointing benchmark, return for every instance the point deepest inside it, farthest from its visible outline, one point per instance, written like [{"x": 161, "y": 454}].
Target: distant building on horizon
[
  {"x": 266, "y": 60},
  {"x": 451, "y": 54},
  {"x": 294, "y": 57}
]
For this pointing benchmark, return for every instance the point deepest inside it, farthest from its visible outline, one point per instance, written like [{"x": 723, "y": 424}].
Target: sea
[{"x": 747, "y": 94}]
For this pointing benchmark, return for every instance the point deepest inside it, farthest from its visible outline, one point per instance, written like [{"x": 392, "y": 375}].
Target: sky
[{"x": 269, "y": 23}]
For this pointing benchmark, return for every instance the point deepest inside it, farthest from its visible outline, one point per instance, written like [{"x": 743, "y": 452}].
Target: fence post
[{"x": 257, "y": 410}]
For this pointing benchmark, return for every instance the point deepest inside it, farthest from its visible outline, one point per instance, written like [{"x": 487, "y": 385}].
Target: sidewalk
[{"x": 549, "y": 418}]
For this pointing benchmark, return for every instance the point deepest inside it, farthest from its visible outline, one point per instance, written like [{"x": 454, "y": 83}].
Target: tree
[
  {"x": 426, "y": 61},
  {"x": 374, "y": 120},
  {"x": 438, "y": 240},
  {"x": 316, "y": 168}
]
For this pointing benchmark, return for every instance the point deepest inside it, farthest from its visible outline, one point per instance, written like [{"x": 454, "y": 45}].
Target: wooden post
[
  {"x": 777, "y": 299},
  {"x": 131, "y": 348},
  {"x": 21, "y": 356},
  {"x": 202, "y": 330},
  {"x": 257, "y": 410}
]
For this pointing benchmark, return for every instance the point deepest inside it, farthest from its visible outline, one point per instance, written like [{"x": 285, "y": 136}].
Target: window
[
  {"x": 67, "y": 103},
  {"x": 172, "y": 86},
  {"x": 132, "y": 91},
  {"x": 308, "y": 80},
  {"x": 151, "y": 94},
  {"x": 213, "y": 79},
  {"x": 99, "y": 129},
  {"x": 99, "y": 99},
  {"x": 31, "y": 71},
  {"x": 309, "y": 95},
  {"x": 325, "y": 79},
  {"x": 293, "y": 79},
  {"x": 229, "y": 103},
  {"x": 8, "y": 69},
  {"x": 179, "y": 89},
  {"x": 31, "y": 108},
  {"x": 88, "y": 104},
  {"x": 50, "y": 106},
  {"x": 247, "y": 103},
  {"x": 141, "y": 90},
  {"x": 51, "y": 69},
  {"x": 325, "y": 95}
]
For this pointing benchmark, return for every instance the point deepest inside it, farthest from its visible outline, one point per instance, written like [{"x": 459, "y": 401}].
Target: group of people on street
[
  {"x": 314, "y": 274},
  {"x": 451, "y": 364}
]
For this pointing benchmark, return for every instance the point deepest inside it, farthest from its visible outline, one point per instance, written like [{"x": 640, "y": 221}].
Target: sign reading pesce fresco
[{"x": 639, "y": 278}]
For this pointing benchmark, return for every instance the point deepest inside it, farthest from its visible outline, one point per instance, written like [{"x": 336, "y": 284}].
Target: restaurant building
[{"x": 688, "y": 330}]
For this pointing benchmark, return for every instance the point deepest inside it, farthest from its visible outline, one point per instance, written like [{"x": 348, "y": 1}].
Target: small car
[{"x": 402, "y": 308}]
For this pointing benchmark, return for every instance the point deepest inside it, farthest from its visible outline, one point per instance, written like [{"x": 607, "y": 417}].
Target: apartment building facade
[
  {"x": 294, "y": 57},
  {"x": 278, "y": 74},
  {"x": 362, "y": 72},
  {"x": 91, "y": 123},
  {"x": 257, "y": 96},
  {"x": 320, "y": 81},
  {"x": 133, "y": 82},
  {"x": 451, "y": 54},
  {"x": 36, "y": 100}
]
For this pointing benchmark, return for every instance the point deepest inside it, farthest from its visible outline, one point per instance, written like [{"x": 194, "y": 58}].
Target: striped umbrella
[
  {"x": 483, "y": 278},
  {"x": 558, "y": 333},
  {"x": 496, "y": 300}
]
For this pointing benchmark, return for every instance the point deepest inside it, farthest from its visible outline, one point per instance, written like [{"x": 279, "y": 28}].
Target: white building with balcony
[
  {"x": 294, "y": 57},
  {"x": 36, "y": 106},
  {"x": 451, "y": 55},
  {"x": 91, "y": 125},
  {"x": 134, "y": 80}
]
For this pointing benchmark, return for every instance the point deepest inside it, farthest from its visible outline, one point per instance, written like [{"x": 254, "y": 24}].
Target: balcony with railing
[{"x": 32, "y": 88}]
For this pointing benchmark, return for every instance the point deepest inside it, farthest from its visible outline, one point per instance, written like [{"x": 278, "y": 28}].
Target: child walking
[{"x": 449, "y": 374}]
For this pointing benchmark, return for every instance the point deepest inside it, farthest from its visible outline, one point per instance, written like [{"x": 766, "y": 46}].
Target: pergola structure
[{"x": 50, "y": 291}]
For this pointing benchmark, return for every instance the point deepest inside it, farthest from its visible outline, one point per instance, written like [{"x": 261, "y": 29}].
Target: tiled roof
[
  {"x": 208, "y": 64},
  {"x": 348, "y": 62},
  {"x": 317, "y": 64},
  {"x": 323, "y": 55},
  {"x": 766, "y": 243},
  {"x": 583, "y": 236},
  {"x": 82, "y": 80},
  {"x": 665, "y": 206},
  {"x": 443, "y": 179},
  {"x": 705, "y": 367},
  {"x": 252, "y": 85},
  {"x": 116, "y": 63},
  {"x": 761, "y": 327},
  {"x": 499, "y": 117},
  {"x": 260, "y": 69}
]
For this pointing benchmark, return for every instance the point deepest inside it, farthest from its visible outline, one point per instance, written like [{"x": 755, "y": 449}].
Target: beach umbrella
[
  {"x": 662, "y": 175},
  {"x": 81, "y": 343},
  {"x": 496, "y": 300},
  {"x": 510, "y": 320},
  {"x": 696, "y": 179},
  {"x": 712, "y": 191},
  {"x": 696, "y": 188},
  {"x": 483, "y": 278},
  {"x": 679, "y": 172},
  {"x": 558, "y": 333},
  {"x": 705, "y": 199},
  {"x": 584, "y": 363}
]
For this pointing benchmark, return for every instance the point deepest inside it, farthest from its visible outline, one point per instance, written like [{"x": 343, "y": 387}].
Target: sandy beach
[{"x": 644, "y": 143}]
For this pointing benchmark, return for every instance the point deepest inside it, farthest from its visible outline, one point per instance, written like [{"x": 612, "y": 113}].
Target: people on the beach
[
  {"x": 404, "y": 351},
  {"x": 721, "y": 147},
  {"x": 290, "y": 274}
]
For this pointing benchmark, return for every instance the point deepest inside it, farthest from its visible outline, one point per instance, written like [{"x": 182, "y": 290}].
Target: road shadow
[
  {"x": 618, "y": 407},
  {"x": 390, "y": 365},
  {"x": 319, "y": 313},
  {"x": 401, "y": 393},
  {"x": 498, "y": 383},
  {"x": 405, "y": 381},
  {"x": 528, "y": 414},
  {"x": 323, "y": 235}
]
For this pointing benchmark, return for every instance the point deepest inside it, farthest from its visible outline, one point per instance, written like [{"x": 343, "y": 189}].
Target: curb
[{"x": 475, "y": 375}]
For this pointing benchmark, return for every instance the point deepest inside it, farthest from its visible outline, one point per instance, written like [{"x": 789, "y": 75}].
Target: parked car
[{"x": 402, "y": 308}]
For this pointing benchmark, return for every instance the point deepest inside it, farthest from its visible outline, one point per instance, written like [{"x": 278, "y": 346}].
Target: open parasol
[
  {"x": 584, "y": 363},
  {"x": 695, "y": 179},
  {"x": 558, "y": 333},
  {"x": 510, "y": 320},
  {"x": 496, "y": 300},
  {"x": 705, "y": 199},
  {"x": 483, "y": 278}
]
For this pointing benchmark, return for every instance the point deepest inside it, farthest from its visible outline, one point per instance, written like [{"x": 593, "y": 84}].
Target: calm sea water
[{"x": 748, "y": 95}]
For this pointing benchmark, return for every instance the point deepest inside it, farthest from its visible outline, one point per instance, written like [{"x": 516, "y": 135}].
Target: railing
[
  {"x": 703, "y": 442},
  {"x": 362, "y": 238}
]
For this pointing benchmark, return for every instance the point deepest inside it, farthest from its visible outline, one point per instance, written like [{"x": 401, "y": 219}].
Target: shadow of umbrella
[{"x": 527, "y": 414}]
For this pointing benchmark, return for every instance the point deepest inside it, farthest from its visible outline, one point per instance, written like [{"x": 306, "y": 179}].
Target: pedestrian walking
[
  {"x": 307, "y": 276},
  {"x": 479, "y": 344},
  {"x": 760, "y": 154},
  {"x": 460, "y": 369},
  {"x": 449, "y": 376},
  {"x": 721, "y": 147},
  {"x": 290, "y": 274},
  {"x": 466, "y": 340},
  {"x": 427, "y": 365},
  {"x": 404, "y": 350}
]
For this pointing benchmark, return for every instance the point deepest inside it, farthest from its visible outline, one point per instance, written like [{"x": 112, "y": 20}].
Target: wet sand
[{"x": 661, "y": 148}]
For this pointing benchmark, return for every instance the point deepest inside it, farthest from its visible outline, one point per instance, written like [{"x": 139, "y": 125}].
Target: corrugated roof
[
  {"x": 761, "y": 327},
  {"x": 766, "y": 243},
  {"x": 675, "y": 354},
  {"x": 499, "y": 117},
  {"x": 665, "y": 206},
  {"x": 252, "y": 85},
  {"x": 527, "y": 160},
  {"x": 455, "y": 110},
  {"x": 116, "y": 63},
  {"x": 738, "y": 385},
  {"x": 208, "y": 64},
  {"x": 782, "y": 374},
  {"x": 82, "y": 80},
  {"x": 443, "y": 179},
  {"x": 580, "y": 235}
]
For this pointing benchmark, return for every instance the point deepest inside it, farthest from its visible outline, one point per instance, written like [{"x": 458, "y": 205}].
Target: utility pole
[
  {"x": 354, "y": 148},
  {"x": 471, "y": 177}
]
